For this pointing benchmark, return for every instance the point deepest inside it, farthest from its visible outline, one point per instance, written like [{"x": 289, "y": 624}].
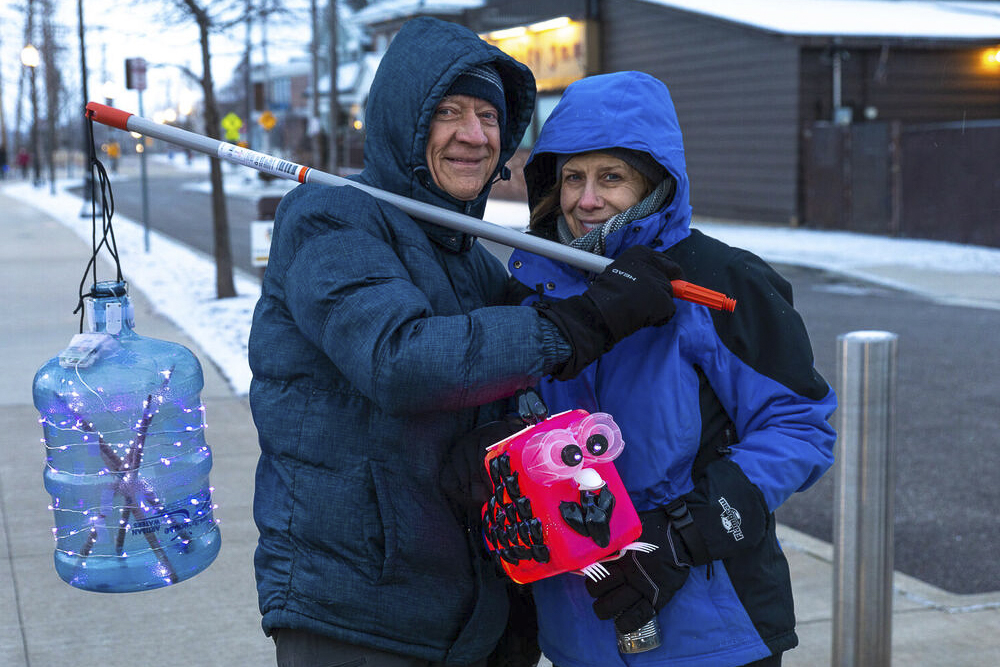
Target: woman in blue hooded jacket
[{"x": 723, "y": 414}]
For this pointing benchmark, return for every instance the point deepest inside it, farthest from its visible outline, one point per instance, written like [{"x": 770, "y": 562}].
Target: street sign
[
  {"x": 232, "y": 123},
  {"x": 135, "y": 73},
  {"x": 260, "y": 241},
  {"x": 268, "y": 121}
]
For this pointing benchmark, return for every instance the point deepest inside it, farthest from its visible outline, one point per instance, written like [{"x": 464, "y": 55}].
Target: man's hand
[{"x": 464, "y": 479}]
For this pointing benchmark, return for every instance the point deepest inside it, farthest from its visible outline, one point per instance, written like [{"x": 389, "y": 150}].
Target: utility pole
[
  {"x": 314, "y": 124},
  {"x": 87, "y": 208},
  {"x": 29, "y": 58},
  {"x": 83, "y": 81},
  {"x": 3, "y": 118},
  {"x": 247, "y": 79},
  {"x": 332, "y": 20},
  {"x": 51, "y": 92},
  {"x": 19, "y": 114},
  {"x": 135, "y": 79},
  {"x": 266, "y": 87}
]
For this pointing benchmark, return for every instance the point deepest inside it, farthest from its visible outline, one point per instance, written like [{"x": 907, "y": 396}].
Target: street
[
  {"x": 185, "y": 213},
  {"x": 947, "y": 399},
  {"x": 946, "y": 439}
]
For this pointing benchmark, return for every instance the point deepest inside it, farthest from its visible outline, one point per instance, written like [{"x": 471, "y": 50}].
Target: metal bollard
[{"x": 863, "y": 499}]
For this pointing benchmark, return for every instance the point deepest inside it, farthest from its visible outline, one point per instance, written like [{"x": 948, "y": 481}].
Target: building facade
[{"x": 758, "y": 86}]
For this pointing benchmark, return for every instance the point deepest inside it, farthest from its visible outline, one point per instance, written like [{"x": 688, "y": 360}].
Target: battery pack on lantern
[{"x": 127, "y": 464}]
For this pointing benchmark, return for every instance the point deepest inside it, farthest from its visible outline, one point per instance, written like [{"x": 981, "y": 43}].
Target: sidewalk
[{"x": 212, "y": 619}]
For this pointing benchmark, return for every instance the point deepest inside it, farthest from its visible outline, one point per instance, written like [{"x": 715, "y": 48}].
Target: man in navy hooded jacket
[{"x": 378, "y": 340}]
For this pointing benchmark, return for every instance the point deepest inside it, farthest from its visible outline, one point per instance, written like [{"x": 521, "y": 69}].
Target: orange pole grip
[
  {"x": 106, "y": 115},
  {"x": 702, "y": 296}
]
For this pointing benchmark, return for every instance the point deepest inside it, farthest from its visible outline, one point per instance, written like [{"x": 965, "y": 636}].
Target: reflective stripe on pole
[
  {"x": 269, "y": 164},
  {"x": 863, "y": 499},
  {"x": 290, "y": 171}
]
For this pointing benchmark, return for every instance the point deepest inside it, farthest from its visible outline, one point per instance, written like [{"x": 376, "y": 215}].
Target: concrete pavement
[
  {"x": 212, "y": 619},
  {"x": 209, "y": 620}
]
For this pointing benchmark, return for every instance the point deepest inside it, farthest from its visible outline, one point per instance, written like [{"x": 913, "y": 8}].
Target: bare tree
[
  {"x": 22, "y": 76},
  {"x": 53, "y": 84},
  {"x": 209, "y": 21},
  {"x": 3, "y": 118},
  {"x": 217, "y": 16}
]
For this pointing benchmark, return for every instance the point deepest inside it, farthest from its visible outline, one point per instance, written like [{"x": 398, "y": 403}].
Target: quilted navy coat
[{"x": 377, "y": 339}]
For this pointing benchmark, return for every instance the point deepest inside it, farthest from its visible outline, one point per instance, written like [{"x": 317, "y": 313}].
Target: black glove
[
  {"x": 464, "y": 479},
  {"x": 515, "y": 292},
  {"x": 633, "y": 292},
  {"x": 641, "y": 583}
]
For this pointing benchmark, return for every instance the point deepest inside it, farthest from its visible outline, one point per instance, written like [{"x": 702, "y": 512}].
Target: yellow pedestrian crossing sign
[
  {"x": 268, "y": 121},
  {"x": 232, "y": 123}
]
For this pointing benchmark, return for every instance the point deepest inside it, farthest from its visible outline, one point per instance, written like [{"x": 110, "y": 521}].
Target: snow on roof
[
  {"x": 394, "y": 9},
  {"x": 856, "y": 18}
]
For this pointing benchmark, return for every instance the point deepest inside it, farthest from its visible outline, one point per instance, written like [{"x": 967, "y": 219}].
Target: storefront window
[{"x": 544, "y": 105}]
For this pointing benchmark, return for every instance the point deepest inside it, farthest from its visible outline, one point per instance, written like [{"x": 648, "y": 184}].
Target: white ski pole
[{"x": 124, "y": 120}]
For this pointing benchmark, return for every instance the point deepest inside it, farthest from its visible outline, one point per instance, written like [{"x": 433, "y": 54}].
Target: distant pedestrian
[
  {"x": 3, "y": 161},
  {"x": 23, "y": 160}
]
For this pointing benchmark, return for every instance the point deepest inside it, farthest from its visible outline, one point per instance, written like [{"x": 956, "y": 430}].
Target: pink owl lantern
[{"x": 558, "y": 503}]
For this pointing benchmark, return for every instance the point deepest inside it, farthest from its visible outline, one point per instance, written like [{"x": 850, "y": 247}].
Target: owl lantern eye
[
  {"x": 601, "y": 437},
  {"x": 571, "y": 455},
  {"x": 552, "y": 456},
  {"x": 563, "y": 453},
  {"x": 597, "y": 444}
]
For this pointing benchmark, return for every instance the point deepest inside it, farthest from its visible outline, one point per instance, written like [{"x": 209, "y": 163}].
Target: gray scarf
[{"x": 594, "y": 240}]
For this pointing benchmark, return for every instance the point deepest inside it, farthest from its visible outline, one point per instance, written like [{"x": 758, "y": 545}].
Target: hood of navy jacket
[
  {"x": 626, "y": 110},
  {"x": 433, "y": 53}
]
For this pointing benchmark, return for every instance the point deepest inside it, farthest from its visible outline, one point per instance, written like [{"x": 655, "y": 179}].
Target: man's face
[{"x": 463, "y": 147}]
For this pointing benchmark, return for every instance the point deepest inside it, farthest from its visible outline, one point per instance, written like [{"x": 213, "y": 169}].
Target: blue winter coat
[
  {"x": 718, "y": 409},
  {"x": 376, "y": 341}
]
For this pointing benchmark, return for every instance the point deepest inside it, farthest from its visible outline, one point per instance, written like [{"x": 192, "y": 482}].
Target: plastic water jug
[{"x": 126, "y": 459}]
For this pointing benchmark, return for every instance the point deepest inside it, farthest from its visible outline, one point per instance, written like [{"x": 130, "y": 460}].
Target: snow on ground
[{"x": 180, "y": 282}]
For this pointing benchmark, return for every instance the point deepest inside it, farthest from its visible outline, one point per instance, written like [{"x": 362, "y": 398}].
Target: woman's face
[{"x": 593, "y": 187}]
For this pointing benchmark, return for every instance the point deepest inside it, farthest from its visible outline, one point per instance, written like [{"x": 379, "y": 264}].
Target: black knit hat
[{"x": 483, "y": 82}]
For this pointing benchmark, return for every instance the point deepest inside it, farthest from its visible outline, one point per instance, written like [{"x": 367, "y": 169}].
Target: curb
[{"x": 912, "y": 589}]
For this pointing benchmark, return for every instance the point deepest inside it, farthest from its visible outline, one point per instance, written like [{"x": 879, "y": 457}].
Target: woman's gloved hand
[
  {"x": 633, "y": 292},
  {"x": 642, "y": 583}
]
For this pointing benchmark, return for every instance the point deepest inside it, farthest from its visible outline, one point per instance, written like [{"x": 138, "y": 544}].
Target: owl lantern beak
[{"x": 588, "y": 479}]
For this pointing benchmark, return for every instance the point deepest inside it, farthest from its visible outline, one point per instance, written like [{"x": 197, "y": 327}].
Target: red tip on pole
[
  {"x": 106, "y": 115},
  {"x": 702, "y": 296}
]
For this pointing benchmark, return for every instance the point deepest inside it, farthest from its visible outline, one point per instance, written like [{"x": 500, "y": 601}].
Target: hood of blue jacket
[
  {"x": 627, "y": 110},
  {"x": 433, "y": 53}
]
